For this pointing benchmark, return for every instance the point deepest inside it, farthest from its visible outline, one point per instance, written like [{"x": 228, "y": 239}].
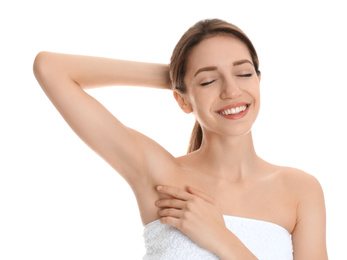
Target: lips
[
  {"x": 240, "y": 104},
  {"x": 234, "y": 111}
]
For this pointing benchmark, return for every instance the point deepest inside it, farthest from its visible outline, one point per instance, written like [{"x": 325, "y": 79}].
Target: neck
[{"x": 231, "y": 157}]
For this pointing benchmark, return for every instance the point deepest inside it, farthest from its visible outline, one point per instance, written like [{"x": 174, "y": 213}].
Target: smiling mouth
[{"x": 233, "y": 110}]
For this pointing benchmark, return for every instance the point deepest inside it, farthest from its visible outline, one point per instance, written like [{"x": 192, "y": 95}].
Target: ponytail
[{"x": 195, "y": 138}]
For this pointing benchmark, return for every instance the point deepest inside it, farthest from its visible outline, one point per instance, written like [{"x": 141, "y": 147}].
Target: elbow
[
  {"x": 50, "y": 67},
  {"x": 40, "y": 64},
  {"x": 45, "y": 68}
]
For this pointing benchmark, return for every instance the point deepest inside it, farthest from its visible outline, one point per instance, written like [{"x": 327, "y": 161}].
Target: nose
[{"x": 230, "y": 89}]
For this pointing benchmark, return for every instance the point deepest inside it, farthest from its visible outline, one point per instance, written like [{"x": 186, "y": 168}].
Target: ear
[
  {"x": 181, "y": 100},
  {"x": 259, "y": 77}
]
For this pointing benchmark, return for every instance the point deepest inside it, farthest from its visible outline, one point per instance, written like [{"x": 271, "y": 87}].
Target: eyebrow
[
  {"x": 212, "y": 68},
  {"x": 205, "y": 69},
  {"x": 239, "y": 62}
]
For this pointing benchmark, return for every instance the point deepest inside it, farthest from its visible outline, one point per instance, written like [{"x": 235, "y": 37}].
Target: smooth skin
[{"x": 234, "y": 180}]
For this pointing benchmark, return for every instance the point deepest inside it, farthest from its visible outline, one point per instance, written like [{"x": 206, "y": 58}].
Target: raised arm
[
  {"x": 92, "y": 72},
  {"x": 64, "y": 77}
]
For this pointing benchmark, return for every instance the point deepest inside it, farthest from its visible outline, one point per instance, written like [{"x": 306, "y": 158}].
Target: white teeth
[{"x": 233, "y": 111}]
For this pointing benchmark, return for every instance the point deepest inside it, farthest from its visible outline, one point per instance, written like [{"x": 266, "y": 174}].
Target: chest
[
  {"x": 264, "y": 199},
  {"x": 237, "y": 198}
]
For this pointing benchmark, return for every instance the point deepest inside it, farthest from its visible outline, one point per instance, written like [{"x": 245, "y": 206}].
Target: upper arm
[
  {"x": 129, "y": 152},
  {"x": 309, "y": 235}
]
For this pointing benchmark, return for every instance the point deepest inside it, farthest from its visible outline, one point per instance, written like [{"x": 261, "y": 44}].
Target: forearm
[
  {"x": 231, "y": 248},
  {"x": 93, "y": 72}
]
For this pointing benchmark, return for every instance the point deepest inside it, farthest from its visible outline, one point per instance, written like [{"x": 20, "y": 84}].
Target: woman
[{"x": 249, "y": 208}]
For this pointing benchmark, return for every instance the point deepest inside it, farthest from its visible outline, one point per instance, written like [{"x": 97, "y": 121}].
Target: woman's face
[{"x": 220, "y": 75}]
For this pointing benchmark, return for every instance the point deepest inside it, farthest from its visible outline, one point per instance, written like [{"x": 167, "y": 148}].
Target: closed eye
[
  {"x": 207, "y": 83},
  {"x": 246, "y": 75}
]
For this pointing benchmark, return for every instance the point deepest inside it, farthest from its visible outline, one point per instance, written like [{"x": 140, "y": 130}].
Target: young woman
[{"x": 220, "y": 200}]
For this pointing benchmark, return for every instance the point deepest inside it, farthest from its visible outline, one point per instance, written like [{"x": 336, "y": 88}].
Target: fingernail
[
  {"x": 159, "y": 187},
  {"x": 157, "y": 202}
]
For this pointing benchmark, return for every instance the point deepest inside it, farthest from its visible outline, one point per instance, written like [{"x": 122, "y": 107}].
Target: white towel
[{"x": 266, "y": 240}]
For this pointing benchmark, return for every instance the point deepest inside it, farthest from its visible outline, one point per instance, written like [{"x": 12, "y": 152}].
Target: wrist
[
  {"x": 231, "y": 247},
  {"x": 164, "y": 77}
]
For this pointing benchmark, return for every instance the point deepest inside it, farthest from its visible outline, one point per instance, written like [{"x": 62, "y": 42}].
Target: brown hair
[{"x": 196, "y": 34}]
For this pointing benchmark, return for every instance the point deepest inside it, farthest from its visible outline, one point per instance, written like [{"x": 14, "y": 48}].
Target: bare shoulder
[
  {"x": 306, "y": 187},
  {"x": 303, "y": 188},
  {"x": 309, "y": 234},
  {"x": 299, "y": 181}
]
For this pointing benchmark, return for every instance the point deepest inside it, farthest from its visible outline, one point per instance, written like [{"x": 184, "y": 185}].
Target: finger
[
  {"x": 177, "y": 193},
  {"x": 170, "y": 203},
  {"x": 201, "y": 195},
  {"x": 175, "y": 213},
  {"x": 175, "y": 222}
]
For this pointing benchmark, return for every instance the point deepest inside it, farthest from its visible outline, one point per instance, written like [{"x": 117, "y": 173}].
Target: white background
[{"x": 59, "y": 200}]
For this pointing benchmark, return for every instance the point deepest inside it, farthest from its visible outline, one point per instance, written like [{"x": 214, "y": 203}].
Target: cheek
[
  {"x": 202, "y": 105},
  {"x": 256, "y": 96},
  {"x": 253, "y": 90},
  {"x": 200, "y": 100}
]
